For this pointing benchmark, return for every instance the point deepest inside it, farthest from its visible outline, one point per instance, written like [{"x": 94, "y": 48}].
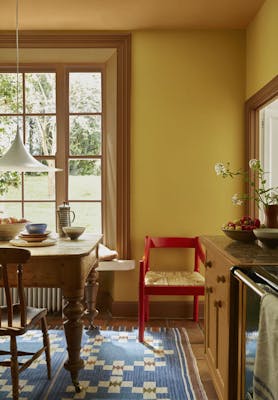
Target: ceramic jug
[{"x": 65, "y": 217}]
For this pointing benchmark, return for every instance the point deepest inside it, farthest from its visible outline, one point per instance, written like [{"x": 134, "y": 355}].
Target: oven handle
[{"x": 248, "y": 282}]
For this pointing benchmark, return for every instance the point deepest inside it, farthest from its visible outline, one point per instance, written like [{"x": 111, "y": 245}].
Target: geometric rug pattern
[{"x": 117, "y": 366}]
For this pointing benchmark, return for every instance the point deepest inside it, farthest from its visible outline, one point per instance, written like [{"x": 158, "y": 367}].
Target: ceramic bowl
[
  {"x": 73, "y": 232},
  {"x": 9, "y": 231},
  {"x": 268, "y": 236},
  {"x": 35, "y": 228},
  {"x": 241, "y": 236}
]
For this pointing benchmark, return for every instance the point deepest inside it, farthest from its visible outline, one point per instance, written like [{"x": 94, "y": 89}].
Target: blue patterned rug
[{"x": 117, "y": 366}]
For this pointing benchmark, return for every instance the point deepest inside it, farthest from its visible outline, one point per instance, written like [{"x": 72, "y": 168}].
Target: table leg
[
  {"x": 91, "y": 290},
  {"x": 73, "y": 326}
]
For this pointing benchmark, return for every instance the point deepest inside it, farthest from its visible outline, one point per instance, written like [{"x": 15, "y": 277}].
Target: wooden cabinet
[
  {"x": 217, "y": 309},
  {"x": 223, "y": 328}
]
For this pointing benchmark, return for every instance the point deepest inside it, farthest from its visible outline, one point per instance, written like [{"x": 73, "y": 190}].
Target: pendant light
[{"x": 17, "y": 158}]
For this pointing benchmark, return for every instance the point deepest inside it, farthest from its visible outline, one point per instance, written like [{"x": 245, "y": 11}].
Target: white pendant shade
[{"x": 17, "y": 159}]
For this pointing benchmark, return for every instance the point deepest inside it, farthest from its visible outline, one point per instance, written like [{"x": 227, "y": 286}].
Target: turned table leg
[
  {"x": 91, "y": 290},
  {"x": 73, "y": 326}
]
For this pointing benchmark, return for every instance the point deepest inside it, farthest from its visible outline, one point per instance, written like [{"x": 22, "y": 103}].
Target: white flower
[
  {"x": 254, "y": 163},
  {"x": 220, "y": 169},
  {"x": 236, "y": 200}
]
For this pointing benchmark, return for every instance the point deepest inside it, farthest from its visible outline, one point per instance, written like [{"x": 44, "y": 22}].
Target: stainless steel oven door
[{"x": 250, "y": 290}]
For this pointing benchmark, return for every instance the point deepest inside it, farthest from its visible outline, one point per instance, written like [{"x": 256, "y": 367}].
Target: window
[
  {"x": 262, "y": 132},
  {"x": 94, "y": 159},
  {"x": 80, "y": 155}
]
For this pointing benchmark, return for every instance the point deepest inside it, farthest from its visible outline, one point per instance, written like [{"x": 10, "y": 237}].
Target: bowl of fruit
[
  {"x": 242, "y": 229},
  {"x": 10, "y": 227}
]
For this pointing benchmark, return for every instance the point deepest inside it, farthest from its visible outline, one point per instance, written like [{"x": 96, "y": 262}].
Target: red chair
[{"x": 177, "y": 282}]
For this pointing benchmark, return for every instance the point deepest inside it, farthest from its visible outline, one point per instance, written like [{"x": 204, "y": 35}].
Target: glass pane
[
  {"x": 41, "y": 212},
  {"x": 10, "y": 186},
  {"x": 8, "y": 126},
  {"x": 85, "y": 180},
  {"x": 40, "y": 92},
  {"x": 41, "y": 135},
  {"x": 10, "y": 210},
  {"x": 85, "y": 135},
  {"x": 45, "y": 181},
  {"x": 85, "y": 92},
  {"x": 8, "y": 90},
  {"x": 88, "y": 215}
]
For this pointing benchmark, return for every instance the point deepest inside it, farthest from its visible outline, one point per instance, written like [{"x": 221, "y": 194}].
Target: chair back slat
[
  {"x": 7, "y": 294},
  {"x": 8, "y": 258}
]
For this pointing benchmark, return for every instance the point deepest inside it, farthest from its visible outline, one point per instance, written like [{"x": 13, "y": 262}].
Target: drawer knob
[
  {"x": 209, "y": 289},
  {"x": 221, "y": 278},
  {"x": 218, "y": 304},
  {"x": 208, "y": 264}
]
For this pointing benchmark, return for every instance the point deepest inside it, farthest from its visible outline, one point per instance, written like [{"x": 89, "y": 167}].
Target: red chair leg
[
  {"x": 147, "y": 308},
  {"x": 196, "y": 308},
  {"x": 141, "y": 314}
]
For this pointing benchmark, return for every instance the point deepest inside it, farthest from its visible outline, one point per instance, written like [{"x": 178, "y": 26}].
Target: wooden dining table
[{"x": 69, "y": 265}]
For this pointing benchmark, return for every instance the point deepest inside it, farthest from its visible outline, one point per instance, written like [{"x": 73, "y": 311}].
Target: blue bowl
[{"x": 36, "y": 228}]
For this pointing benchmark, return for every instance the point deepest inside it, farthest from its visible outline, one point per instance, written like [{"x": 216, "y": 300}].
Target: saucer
[{"x": 33, "y": 237}]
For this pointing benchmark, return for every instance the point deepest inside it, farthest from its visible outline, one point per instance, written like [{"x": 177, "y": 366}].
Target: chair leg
[
  {"x": 14, "y": 367},
  {"x": 196, "y": 309},
  {"x": 147, "y": 308},
  {"x": 46, "y": 345},
  {"x": 141, "y": 314}
]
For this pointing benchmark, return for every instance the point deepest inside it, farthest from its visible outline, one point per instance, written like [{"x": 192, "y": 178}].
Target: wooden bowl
[{"x": 241, "y": 236}]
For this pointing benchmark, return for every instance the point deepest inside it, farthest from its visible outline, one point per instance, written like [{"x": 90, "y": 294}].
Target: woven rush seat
[{"x": 176, "y": 278}]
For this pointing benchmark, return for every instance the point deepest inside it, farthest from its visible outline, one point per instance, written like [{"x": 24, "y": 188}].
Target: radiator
[{"x": 50, "y": 298}]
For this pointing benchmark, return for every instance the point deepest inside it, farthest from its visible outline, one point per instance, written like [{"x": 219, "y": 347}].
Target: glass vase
[{"x": 271, "y": 216}]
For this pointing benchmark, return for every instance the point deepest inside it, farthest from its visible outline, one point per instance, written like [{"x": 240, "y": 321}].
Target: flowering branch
[{"x": 260, "y": 194}]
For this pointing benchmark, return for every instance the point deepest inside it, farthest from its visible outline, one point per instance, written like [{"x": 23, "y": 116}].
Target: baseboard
[{"x": 165, "y": 309}]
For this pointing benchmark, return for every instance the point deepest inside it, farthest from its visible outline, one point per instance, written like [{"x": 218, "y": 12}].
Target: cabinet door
[{"x": 217, "y": 320}]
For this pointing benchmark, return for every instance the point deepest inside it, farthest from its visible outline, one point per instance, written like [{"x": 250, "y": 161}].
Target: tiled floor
[{"x": 194, "y": 331}]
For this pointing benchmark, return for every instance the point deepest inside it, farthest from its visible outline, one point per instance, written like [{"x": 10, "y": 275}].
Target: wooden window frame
[
  {"x": 252, "y": 107},
  {"x": 121, "y": 42}
]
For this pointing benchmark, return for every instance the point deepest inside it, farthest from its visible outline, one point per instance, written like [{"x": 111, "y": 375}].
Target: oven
[{"x": 249, "y": 284}]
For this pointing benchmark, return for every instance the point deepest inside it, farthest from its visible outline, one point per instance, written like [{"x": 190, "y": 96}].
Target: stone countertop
[{"x": 241, "y": 253}]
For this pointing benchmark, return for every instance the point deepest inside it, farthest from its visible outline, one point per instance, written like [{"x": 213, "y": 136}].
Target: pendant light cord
[{"x": 17, "y": 66}]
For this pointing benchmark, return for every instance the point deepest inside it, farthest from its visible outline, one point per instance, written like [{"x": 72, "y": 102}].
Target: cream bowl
[
  {"x": 9, "y": 231},
  {"x": 268, "y": 236},
  {"x": 73, "y": 232}
]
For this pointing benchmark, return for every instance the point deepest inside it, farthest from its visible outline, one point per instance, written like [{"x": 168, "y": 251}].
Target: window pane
[
  {"x": 85, "y": 180},
  {"x": 11, "y": 210},
  {"x": 8, "y": 126},
  {"x": 40, "y": 93},
  {"x": 88, "y": 215},
  {"x": 85, "y": 135},
  {"x": 41, "y": 135},
  {"x": 8, "y": 90},
  {"x": 85, "y": 92},
  {"x": 10, "y": 186},
  {"x": 44, "y": 181},
  {"x": 41, "y": 212}
]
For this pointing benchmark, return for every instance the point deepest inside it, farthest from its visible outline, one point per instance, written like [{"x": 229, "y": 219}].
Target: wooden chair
[
  {"x": 181, "y": 282},
  {"x": 16, "y": 319}
]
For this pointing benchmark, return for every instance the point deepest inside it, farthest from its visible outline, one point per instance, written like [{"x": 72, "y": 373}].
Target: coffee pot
[{"x": 65, "y": 217}]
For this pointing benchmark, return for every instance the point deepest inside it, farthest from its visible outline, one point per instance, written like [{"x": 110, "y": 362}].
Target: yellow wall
[
  {"x": 262, "y": 48},
  {"x": 188, "y": 93}
]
